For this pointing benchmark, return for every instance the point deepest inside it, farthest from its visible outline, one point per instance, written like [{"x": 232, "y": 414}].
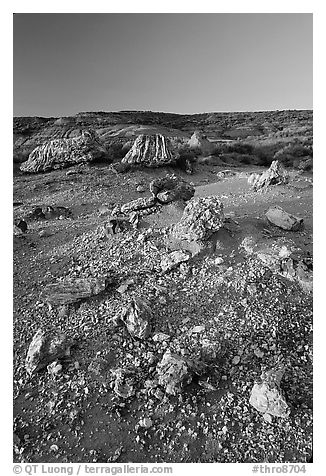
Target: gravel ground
[{"x": 224, "y": 308}]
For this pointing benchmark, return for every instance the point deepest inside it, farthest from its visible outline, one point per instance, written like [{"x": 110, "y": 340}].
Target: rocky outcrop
[
  {"x": 137, "y": 318},
  {"x": 200, "y": 141},
  {"x": 201, "y": 218},
  {"x": 282, "y": 219},
  {"x": 151, "y": 151},
  {"x": 61, "y": 153},
  {"x": 267, "y": 396},
  {"x": 46, "y": 347},
  {"x": 275, "y": 175}
]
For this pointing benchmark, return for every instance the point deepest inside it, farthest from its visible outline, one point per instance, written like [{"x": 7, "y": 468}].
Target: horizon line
[{"x": 165, "y": 112}]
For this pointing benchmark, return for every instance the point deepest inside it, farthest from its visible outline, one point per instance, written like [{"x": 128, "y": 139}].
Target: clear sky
[{"x": 183, "y": 63}]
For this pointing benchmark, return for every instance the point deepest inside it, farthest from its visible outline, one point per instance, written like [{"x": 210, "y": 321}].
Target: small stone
[
  {"x": 141, "y": 189},
  {"x": 236, "y": 359},
  {"x": 219, "y": 260},
  {"x": 145, "y": 422},
  {"x": 160, "y": 337},
  {"x": 198, "y": 329},
  {"x": 55, "y": 368}
]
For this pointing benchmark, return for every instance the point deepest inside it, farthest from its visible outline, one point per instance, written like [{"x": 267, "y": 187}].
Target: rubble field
[{"x": 162, "y": 322}]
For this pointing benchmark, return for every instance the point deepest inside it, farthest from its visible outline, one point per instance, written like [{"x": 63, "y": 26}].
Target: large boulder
[
  {"x": 46, "y": 347},
  {"x": 282, "y": 219},
  {"x": 61, "y": 153},
  {"x": 267, "y": 396},
  {"x": 275, "y": 175},
  {"x": 200, "y": 141},
  {"x": 202, "y": 217},
  {"x": 151, "y": 151}
]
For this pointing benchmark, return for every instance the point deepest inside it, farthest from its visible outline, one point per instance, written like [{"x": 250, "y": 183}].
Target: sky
[{"x": 183, "y": 63}]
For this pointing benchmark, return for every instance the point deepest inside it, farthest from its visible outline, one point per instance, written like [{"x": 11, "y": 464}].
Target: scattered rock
[
  {"x": 173, "y": 373},
  {"x": 137, "y": 317},
  {"x": 278, "y": 217},
  {"x": 45, "y": 348}
]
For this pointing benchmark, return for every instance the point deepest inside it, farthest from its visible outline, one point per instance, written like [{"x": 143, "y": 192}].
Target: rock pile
[
  {"x": 150, "y": 151},
  {"x": 61, "y": 153}
]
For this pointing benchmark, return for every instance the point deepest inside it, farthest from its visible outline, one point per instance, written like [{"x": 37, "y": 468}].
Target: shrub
[{"x": 291, "y": 153}]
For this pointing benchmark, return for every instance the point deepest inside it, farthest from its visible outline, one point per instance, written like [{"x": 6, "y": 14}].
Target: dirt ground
[{"x": 240, "y": 306}]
